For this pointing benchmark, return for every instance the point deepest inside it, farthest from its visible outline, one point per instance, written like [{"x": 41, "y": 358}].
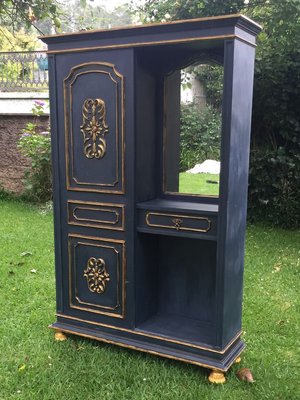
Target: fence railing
[{"x": 23, "y": 71}]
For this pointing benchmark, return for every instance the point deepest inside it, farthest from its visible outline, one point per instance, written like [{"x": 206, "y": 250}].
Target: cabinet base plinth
[{"x": 212, "y": 359}]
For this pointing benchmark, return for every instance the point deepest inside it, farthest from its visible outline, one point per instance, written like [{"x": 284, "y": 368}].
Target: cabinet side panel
[
  {"x": 55, "y": 180},
  {"x": 238, "y": 88}
]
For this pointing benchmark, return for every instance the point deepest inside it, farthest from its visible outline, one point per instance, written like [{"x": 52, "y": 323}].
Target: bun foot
[
  {"x": 216, "y": 377},
  {"x": 60, "y": 336}
]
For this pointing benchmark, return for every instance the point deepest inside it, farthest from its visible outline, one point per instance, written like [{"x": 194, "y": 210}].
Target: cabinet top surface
[{"x": 219, "y": 27}]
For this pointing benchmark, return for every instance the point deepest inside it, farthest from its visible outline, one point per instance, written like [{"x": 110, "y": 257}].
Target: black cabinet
[{"x": 140, "y": 261}]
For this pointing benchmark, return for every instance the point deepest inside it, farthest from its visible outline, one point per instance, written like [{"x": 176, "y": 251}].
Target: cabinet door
[
  {"x": 94, "y": 134},
  {"x": 92, "y": 198}
]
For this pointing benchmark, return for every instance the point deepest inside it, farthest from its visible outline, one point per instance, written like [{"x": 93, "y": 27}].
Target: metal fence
[{"x": 23, "y": 71}]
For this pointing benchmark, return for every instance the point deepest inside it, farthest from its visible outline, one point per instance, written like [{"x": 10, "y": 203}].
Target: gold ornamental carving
[
  {"x": 94, "y": 128},
  {"x": 96, "y": 275},
  {"x": 177, "y": 223}
]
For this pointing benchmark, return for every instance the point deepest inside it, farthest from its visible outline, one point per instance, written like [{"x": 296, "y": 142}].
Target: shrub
[
  {"x": 36, "y": 146},
  {"x": 275, "y": 200},
  {"x": 200, "y": 133}
]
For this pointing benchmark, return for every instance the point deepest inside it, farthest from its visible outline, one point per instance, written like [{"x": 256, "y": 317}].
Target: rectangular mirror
[{"x": 192, "y": 130}]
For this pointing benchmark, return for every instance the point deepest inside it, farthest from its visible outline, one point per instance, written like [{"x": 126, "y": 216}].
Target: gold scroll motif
[
  {"x": 94, "y": 128},
  {"x": 96, "y": 275},
  {"x": 177, "y": 223}
]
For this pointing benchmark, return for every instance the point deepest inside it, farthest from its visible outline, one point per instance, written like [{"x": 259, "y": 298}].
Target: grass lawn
[
  {"x": 35, "y": 367},
  {"x": 199, "y": 183}
]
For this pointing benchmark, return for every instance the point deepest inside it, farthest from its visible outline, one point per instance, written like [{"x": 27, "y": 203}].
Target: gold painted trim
[
  {"x": 116, "y": 214},
  {"x": 120, "y": 122},
  {"x": 182, "y": 21},
  {"x": 116, "y": 181},
  {"x": 157, "y": 42},
  {"x": 120, "y": 268},
  {"x": 147, "y": 334},
  {"x": 75, "y": 235},
  {"x": 141, "y": 349},
  {"x": 86, "y": 303},
  {"x": 98, "y": 223},
  {"x": 175, "y": 226}
]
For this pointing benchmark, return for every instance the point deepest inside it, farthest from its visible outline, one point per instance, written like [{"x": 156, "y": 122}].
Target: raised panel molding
[{"x": 94, "y": 128}]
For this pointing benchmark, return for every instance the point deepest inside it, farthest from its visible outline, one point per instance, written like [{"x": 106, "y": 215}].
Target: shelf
[
  {"x": 177, "y": 206},
  {"x": 179, "y": 328},
  {"x": 176, "y": 233}
]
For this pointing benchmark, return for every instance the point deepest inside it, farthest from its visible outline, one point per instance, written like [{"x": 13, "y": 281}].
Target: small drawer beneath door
[
  {"x": 177, "y": 223},
  {"x": 97, "y": 215}
]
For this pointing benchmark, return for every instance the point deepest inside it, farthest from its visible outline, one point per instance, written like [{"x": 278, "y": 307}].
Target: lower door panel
[{"x": 97, "y": 275}]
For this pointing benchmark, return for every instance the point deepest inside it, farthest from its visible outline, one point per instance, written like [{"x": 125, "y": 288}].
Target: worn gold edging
[
  {"x": 68, "y": 129},
  {"x": 116, "y": 181},
  {"x": 86, "y": 303},
  {"x": 178, "y": 228},
  {"x": 143, "y": 333},
  {"x": 98, "y": 223},
  {"x": 108, "y": 210},
  {"x": 158, "y": 42},
  {"x": 182, "y": 21},
  {"x": 118, "y": 280},
  {"x": 123, "y": 267}
]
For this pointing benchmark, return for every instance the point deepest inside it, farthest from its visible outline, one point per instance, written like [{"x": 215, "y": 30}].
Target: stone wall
[{"x": 12, "y": 163}]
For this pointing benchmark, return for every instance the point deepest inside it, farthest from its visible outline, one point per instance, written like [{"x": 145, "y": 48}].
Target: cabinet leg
[
  {"x": 60, "y": 336},
  {"x": 216, "y": 376},
  {"x": 238, "y": 360}
]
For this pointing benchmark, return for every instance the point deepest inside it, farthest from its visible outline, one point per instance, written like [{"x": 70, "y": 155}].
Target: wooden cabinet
[{"x": 140, "y": 263}]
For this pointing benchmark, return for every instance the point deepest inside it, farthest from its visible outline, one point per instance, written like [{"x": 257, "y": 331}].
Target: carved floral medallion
[
  {"x": 96, "y": 275},
  {"x": 94, "y": 128}
]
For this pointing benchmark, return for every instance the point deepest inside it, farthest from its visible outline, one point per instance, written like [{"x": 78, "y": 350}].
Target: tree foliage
[
  {"x": 36, "y": 146},
  {"x": 19, "y": 41},
  {"x": 84, "y": 15},
  {"x": 199, "y": 135},
  {"x": 15, "y": 13},
  {"x": 67, "y": 16},
  {"x": 161, "y": 10}
]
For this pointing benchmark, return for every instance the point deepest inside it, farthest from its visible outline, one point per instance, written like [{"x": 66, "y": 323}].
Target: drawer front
[
  {"x": 179, "y": 222},
  {"x": 97, "y": 275},
  {"x": 97, "y": 215}
]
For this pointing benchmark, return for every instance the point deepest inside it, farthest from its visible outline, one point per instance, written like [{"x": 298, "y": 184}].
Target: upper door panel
[{"x": 94, "y": 128}]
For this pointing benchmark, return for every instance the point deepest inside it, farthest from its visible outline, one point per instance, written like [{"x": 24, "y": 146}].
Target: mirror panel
[{"x": 192, "y": 130}]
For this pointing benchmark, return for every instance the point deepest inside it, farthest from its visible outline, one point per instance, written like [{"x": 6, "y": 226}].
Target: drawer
[
  {"x": 97, "y": 215},
  {"x": 177, "y": 222}
]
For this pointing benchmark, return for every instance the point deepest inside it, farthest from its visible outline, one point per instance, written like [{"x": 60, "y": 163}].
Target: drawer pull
[{"x": 177, "y": 223}]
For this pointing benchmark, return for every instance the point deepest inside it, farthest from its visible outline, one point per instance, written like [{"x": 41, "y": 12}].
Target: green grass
[
  {"x": 35, "y": 367},
  {"x": 199, "y": 183}
]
